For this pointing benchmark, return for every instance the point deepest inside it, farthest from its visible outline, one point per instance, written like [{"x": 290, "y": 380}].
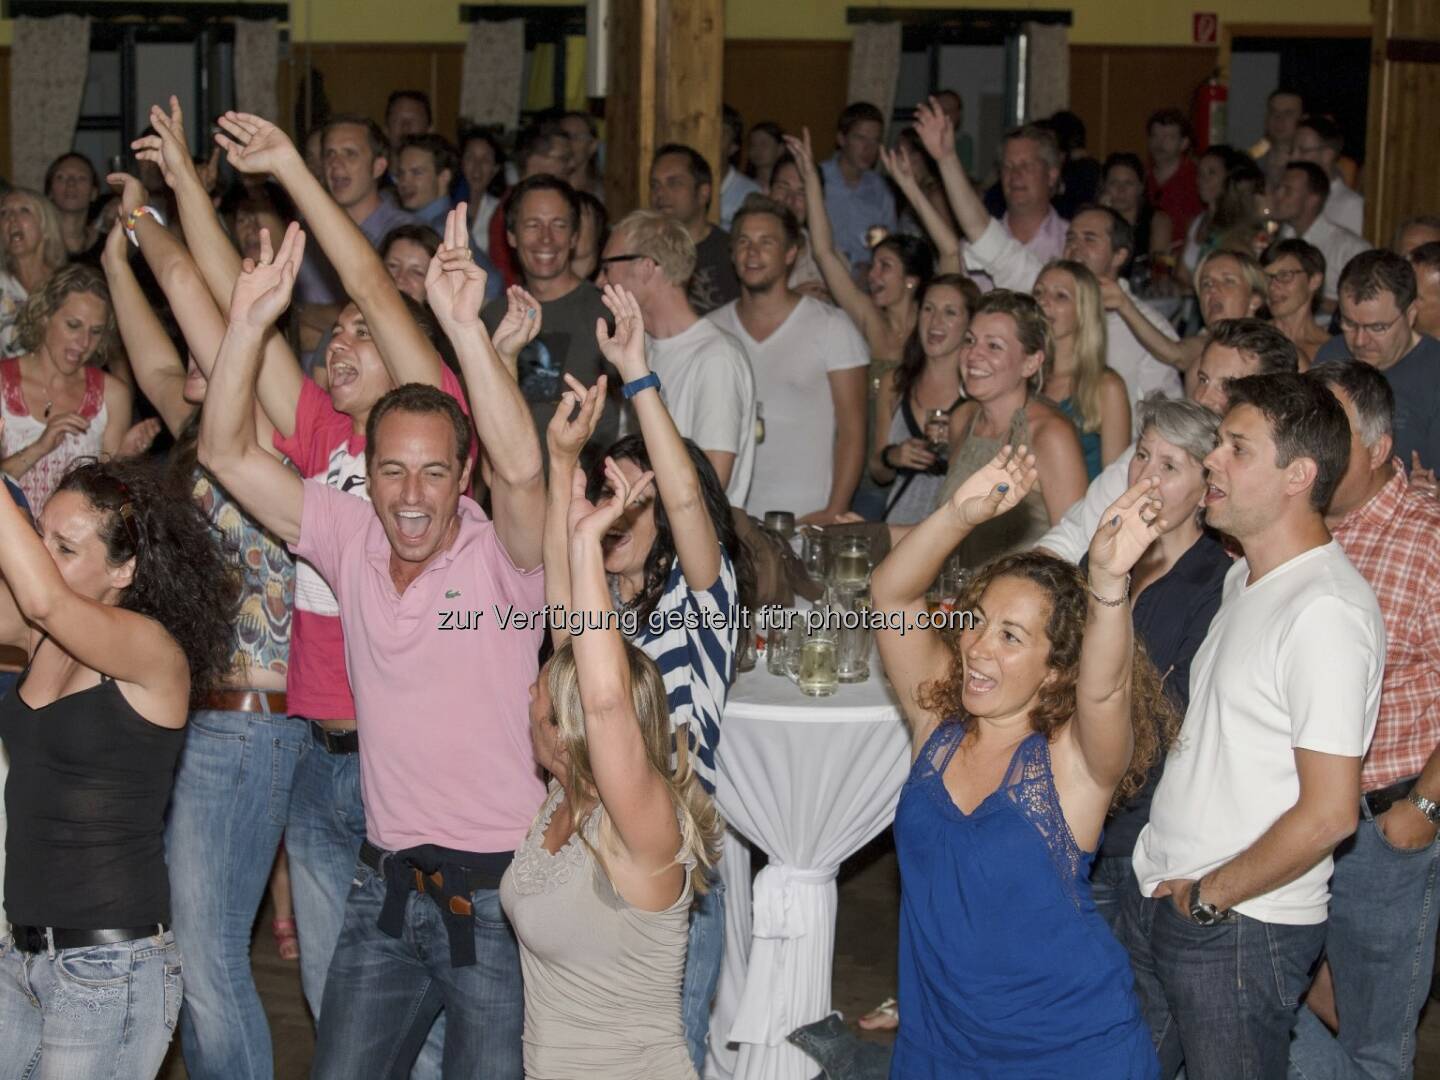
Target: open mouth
[
  {"x": 975, "y": 683},
  {"x": 411, "y": 524},
  {"x": 1213, "y": 494},
  {"x": 342, "y": 374}
]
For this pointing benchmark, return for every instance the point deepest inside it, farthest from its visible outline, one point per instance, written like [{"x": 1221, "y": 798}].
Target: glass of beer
[
  {"x": 852, "y": 561},
  {"x": 817, "y": 675},
  {"x": 937, "y": 438},
  {"x": 852, "y": 662},
  {"x": 815, "y": 554}
]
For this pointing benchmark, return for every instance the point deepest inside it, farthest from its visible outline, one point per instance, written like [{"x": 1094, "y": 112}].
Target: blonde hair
[
  {"x": 52, "y": 241},
  {"x": 699, "y": 820},
  {"x": 1090, "y": 341},
  {"x": 664, "y": 241},
  {"x": 1250, "y": 270},
  {"x": 45, "y": 301}
]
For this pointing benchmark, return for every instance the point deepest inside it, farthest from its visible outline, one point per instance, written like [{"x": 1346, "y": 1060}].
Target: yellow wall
[{"x": 1096, "y": 22}]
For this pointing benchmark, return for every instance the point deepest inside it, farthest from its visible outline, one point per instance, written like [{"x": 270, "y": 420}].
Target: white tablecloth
[{"x": 809, "y": 781}]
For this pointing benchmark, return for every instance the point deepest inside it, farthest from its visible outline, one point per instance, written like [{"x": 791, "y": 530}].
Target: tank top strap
[
  {"x": 10, "y": 388},
  {"x": 935, "y": 755},
  {"x": 1020, "y": 427},
  {"x": 912, "y": 423},
  {"x": 1030, "y": 787},
  {"x": 94, "y": 392}
]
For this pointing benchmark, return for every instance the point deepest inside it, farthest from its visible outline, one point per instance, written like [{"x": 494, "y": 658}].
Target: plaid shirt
[{"x": 1394, "y": 541}]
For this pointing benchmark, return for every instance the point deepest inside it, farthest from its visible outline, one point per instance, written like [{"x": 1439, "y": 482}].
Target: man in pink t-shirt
[{"x": 442, "y": 610}]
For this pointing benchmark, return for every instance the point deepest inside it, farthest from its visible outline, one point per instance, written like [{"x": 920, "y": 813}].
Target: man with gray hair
[
  {"x": 705, "y": 376},
  {"x": 1380, "y": 938}
]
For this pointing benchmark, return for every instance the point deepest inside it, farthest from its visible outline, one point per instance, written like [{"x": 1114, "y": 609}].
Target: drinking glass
[
  {"x": 815, "y": 554},
  {"x": 852, "y": 561},
  {"x": 817, "y": 675},
  {"x": 780, "y": 521},
  {"x": 937, "y": 435},
  {"x": 777, "y": 642},
  {"x": 852, "y": 663}
]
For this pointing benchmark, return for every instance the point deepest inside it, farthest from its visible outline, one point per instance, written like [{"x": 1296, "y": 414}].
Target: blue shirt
[
  {"x": 854, "y": 210},
  {"x": 1415, "y": 378},
  {"x": 318, "y": 283},
  {"x": 434, "y": 213}
]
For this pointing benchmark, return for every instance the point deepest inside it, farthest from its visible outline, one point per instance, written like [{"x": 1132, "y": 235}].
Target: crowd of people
[{"x": 427, "y": 563}]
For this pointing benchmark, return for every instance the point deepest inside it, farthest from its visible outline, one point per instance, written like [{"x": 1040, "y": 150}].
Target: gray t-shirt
[
  {"x": 714, "y": 283},
  {"x": 1415, "y": 378}
]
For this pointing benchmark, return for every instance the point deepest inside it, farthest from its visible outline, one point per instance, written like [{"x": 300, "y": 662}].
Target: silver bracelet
[{"x": 1110, "y": 603}]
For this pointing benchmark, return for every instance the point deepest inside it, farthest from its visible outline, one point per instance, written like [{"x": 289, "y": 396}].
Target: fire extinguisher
[{"x": 1207, "y": 113}]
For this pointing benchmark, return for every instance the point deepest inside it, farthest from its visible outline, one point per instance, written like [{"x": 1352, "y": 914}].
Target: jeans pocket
[
  {"x": 174, "y": 995},
  {"x": 102, "y": 967},
  {"x": 488, "y": 914},
  {"x": 1394, "y": 849}
]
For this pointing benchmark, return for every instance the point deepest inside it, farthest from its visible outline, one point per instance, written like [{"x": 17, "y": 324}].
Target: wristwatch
[
  {"x": 1428, "y": 807},
  {"x": 1203, "y": 914}
]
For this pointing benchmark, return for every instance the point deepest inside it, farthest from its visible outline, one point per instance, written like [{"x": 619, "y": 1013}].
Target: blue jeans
[
  {"x": 702, "y": 969},
  {"x": 228, "y": 810},
  {"x": 383, "y": 993},
  {"x": 1381, "y": 946},
  {"x": 322, "y": 838},
  {"x": 1110, "y": 877},
  {"x": 1221, "y": 999},
  {"x": 106, "y": 1010}
]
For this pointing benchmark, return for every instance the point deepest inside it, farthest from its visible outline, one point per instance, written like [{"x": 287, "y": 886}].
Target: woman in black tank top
[{"x": 122, "y": 604}]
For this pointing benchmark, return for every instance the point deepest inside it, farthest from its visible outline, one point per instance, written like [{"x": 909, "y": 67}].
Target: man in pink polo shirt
[{"x": 442, "y": 611}]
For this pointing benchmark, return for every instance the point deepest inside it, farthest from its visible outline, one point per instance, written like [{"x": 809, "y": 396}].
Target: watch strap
[
  {"x": 1428, "y": 807},
  {"x": 630, "y": 389}
]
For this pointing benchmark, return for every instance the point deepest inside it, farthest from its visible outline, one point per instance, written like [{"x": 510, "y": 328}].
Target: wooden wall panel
[
  {"x": 1402, "y": 157},
  {"x": 1114, "y": 89},
  {"x": 359, "y": 78},
  {"x": 5, "y": 113},
  {"x": 794, "y": 83}
]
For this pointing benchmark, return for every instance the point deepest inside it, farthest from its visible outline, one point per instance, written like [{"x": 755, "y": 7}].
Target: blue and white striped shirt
[{"x": 692, "y": 636}]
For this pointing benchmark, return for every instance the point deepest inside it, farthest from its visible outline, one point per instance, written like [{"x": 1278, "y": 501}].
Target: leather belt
[
  {"x": 336, "y": 742},
  {"x": 258, "y": 701},
  {"x": 488, "y": 868},
  {"x": 39, "y": 939},
  {"x": 1381, "y": 799}
]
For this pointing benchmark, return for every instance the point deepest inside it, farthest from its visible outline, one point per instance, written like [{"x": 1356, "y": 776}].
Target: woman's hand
[
  {"x": 800, "y": 150},
  {"x": 132, "y": 194},
  {"x": 626, "y": 347},
  {"x": 254, "y": 145},
  {"x": 454, "y": 285},
  {"x": 1112, "y": 296},
  {"x": 996, "y": 487},
  {"x": 589, "y": 521},
  {"x": 933, "y": 127},
  {"x": 262, "y": 291},
  {"x": 59, "y": 426},
  {"x": 138, "y": 439},
  {"x": 575, "y": 420},
  {"x": 167, "y": 148},
  {"x": 897, "y": 164},
  {"x": 1126, "y": 530},
  {"x": 910, "y": 454},
  {"x": 116, "y": 254},
  {"x": 522, "y": 322}
]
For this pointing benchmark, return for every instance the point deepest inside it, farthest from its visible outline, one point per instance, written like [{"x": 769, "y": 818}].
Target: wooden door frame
[{"x": 1230, "y": 31}]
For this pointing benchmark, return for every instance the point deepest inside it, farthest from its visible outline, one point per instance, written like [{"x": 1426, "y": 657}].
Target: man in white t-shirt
[
  {"x": 1264, "y": 781},
  {"x": 705, "y": 376},
  {"x": 810, "y": 368}
]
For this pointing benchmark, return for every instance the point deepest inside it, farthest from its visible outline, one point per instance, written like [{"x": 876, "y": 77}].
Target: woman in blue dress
[{"x": 1026, "y": 725}]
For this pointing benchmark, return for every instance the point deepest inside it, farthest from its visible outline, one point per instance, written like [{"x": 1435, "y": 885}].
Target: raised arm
[
  {"x": 254, "y": 145},
  {"x": 947, "y": 244},
  {"x": 1102, "y": 729},
  {"x": 636, "y": 797},
  {"x": 211, "y": 263},
  {"x": 455, "y": 287},
  {"x": 899, "y": 584},
  {"x": 157, "y": 366},
  {"x": 268, "y": 490},
  {"x": 1147, "y": 333},
  {"x": 129, "y": 647},
  {"x": 938, "y": 137},
  {"x": 851, "y": 298},
  {"x": 574, "y": 422},
  {"x": 696, "y": 544}
]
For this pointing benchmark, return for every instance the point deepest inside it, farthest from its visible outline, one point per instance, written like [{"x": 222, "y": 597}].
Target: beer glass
[
  {"x": 815, "y": 554},
  {"x": 852, "y": 561},
  {"x": 780, "y": 521},
  {"x": 937, "y": 437},
  {"x": 852, "y": 661}
]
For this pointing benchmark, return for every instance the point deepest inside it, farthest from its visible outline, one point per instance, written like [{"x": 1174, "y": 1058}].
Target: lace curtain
[
  {"x": 48, "y": 63},
  {"x": 490, "y": 86},
  {"x": 257, "y": 68},
  {"x": 875, "y": 65},
  {"x": 1047, "y": 74}
]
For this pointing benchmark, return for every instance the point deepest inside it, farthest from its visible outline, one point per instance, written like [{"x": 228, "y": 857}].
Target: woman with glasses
[
  {"x": 122, "y": 602},
  {"x": 1295, "y": 271}
]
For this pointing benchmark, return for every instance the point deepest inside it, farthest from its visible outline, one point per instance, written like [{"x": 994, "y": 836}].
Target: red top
[
  {"x": 1179, "y": 197},
  {"x": 500, "y": 253}
]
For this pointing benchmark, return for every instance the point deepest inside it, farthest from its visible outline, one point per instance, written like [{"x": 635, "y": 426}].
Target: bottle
[{"x": 759, "y": 423}]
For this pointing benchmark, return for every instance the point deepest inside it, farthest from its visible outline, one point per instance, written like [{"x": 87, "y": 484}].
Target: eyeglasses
[
  {"x": 1284, "y": 277},
  {"x": 1374, "y": 329},
  {"x": 610, "y": 260}
]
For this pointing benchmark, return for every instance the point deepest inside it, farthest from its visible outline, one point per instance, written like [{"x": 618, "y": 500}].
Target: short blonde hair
[
  {"x": 45, "y": 301},
  {"x": 662, "y": 240},
  {"x": 52, "y": 242}
]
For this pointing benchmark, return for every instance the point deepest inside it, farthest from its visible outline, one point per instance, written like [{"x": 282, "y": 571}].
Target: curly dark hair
[
  {"x": 661, "y": 558},
  {"x": 182, "y": 578},
  {"x": 1153, "y": 717}
]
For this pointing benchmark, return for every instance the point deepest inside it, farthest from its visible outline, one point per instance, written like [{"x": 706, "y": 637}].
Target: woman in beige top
[{"x": 600, "y": 891}]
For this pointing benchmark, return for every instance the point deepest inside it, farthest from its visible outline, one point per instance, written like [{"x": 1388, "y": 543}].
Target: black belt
[
  {"x": 335, "y": 742},
  {"x": 447, "y": 877},
  {"x": 1382, "y": 799},
  {"x": 39, "y": 939}
]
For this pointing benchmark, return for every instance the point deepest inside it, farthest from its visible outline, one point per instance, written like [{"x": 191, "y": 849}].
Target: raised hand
[
  {"x": 254, "y": 145},
  {"x": 117, "y": 244},
  {"x": 262, "y": 291},
  {"x": 800, "y": 150},
  {"x": 575, "y": 419},
  {"x": 1112, "y": 296},
  {"x": 897, "y": 164},
  {"x": 933, "y": 127},
  {"x": 131, "y": 191},
  {"x": 996, "y": 487},
  {"x": 138, "y": 439},
  {"x": 518, "y": 328},
  {"x": 168, "y": 147},
  {"x": 591, "y": 521},
  {"x": 1126, "y": 530},
  {"x": 454, "y": 285},
  {"x": 626, "y": 347}
]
